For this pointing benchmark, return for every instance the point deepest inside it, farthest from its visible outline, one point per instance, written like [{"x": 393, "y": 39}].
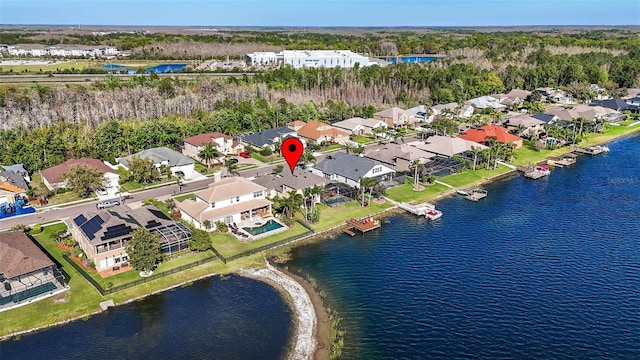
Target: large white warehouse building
[{"x": 309, "y": 58}]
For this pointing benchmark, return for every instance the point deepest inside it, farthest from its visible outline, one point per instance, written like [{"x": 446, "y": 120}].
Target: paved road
[{"x": 70, "y": 211}]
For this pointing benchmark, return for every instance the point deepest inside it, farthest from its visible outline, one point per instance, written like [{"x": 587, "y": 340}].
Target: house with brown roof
[
  {"x": 233, "y": 200},
  {"x": 221, "y": 142},
  {"x": 26, "y": 272},
  {"x": 524, "y": 125},
  {"x": 104, "y": 235},
  {"x": 484, "y": 135},
  {"x": 396, "y": 117},
  {"x": 281, "y": 184},
  {"x": 316, "y": 132},
  {"x": 52, "y": 177},
  {"x": 447, "y": 146},
  {"x": 296, "y": 125},
  {"x": 398, "y": 157}
]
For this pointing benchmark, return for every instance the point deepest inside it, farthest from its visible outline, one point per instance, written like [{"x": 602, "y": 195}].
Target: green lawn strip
[
  {"x": 228, "y": 245},
  {"x": 469, "y": 177},
  {"x": 334, "y": 216},
  {"x": 131, "y": 186},
  {"x": 184, "y": 197},
  {"x": 361, "y": 139},
  {"x": 405, "y": 193},
  {"x": 266, "y": 159},
  {"x": 332, "y": 148}
]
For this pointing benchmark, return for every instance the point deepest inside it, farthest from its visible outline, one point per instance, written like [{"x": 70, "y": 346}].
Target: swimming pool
[{"x": 266, "y": 227}]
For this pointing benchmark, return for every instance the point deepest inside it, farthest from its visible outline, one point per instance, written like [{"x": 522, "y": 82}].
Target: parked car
[
  {"x": 245, "y": 154},
  {"x": 234, "y": 160},
  {"x": 107, "y": 204},
  {"x": 101, "y": 191},
  {"x": 179, "y": 173}
]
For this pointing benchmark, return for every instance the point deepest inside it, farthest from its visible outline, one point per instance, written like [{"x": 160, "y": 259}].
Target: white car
[{"x": 101, "y": 192}]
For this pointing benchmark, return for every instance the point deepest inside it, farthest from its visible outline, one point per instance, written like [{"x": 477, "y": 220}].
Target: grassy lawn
[
  {"x": 333, "y": 216},
  {"x": 131, "y": 186},
  {"x": 184, "y": 197},
  {"x": 405, "y": 193},
  {"x": 361, "y": 139},
  {"x": 331, "y": 148},
  {"x": 228, "y": 245},
  {"x": 266, "y": 159},
  {"x": 57, "y": 199},
  {"x": 470, "y": 177}
]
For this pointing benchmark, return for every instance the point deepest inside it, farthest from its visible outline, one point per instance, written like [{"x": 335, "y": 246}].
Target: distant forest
[{"x": 42, "y": 126}]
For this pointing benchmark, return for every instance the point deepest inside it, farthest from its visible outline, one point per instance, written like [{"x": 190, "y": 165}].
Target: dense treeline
[{"x": 42, "y": 126}]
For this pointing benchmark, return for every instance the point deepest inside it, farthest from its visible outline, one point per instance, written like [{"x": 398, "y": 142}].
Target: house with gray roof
[
  {"x": 615, "y": 104},
  {"x": 284, "y": 182},
  {"x": 349, "y": 168},
  {"x": 268, "y": 137},
  {"x": 163, "y": 156},
  {"x": 397, "y": 156}
]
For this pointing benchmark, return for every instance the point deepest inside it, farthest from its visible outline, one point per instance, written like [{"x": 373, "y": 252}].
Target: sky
[{"x": 424, "y": 13}]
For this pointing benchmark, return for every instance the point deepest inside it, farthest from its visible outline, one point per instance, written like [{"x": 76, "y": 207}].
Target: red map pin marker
[{"x": 292, "y": 149}]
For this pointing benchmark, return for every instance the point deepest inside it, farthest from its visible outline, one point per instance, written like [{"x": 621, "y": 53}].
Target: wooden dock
[
  {"x": 476, "y": 194},
  {"x": 362, "y": 225},
  {"x": 534, "y": 174},
  {"x": 563, "y": 160}
]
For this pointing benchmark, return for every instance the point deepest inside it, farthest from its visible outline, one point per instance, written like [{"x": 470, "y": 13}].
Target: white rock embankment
[{"x": 304, "y": 341}]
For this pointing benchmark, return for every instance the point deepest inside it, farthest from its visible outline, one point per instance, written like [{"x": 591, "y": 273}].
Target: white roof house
[
  {"x": 446, "y": 146},
  {"x": 358, "y": 125}
]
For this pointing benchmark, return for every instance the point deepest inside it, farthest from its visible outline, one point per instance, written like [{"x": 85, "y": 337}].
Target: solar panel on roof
[
  {"x": 116, "y": 231},
  {"x": 79, "y": 220},
  {"x": 92, "y": 226},
  {"x": 152, "y": 224},
  {"x": 159, "y": 214}
]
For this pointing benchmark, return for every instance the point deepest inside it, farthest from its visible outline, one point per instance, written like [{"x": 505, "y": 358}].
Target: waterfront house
[
  {"x": 221, "y": 142},
  {"x": 398, "y": 157},
  {"x": 52, "y": 177},
  {"x": 524, "y": 125},
  {"x": 615, "y": 104},
  {"x": 316, "y": 132},
  {"x": 361, "y": 126},
  {"x": 26, "y": 272},
  {"x": 281, "y": 184},
  {"x": 485, "y": 102},
  {"x": 447, "y": 146},
  {"x": 485, "y": 134},
  {"x": 548, "y": 119},
  {"x": 164, "y": 156},
  {"x": 268, "y": 138},
  {"x": 230, "y": 200},
  {"x": 395, "y": 117},
  {"x": 349, "y": 168},
  {"x": 104, "y": 235}
]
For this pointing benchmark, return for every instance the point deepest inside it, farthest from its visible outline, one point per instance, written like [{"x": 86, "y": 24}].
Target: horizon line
[{"x": 330, "y": 26}]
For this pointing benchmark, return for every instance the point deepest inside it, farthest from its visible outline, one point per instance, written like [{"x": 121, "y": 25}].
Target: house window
[
  {"x": 257, "y": 194},
  {"x": 237, "y": 198},
  {"x": 212, "y": 205},
  {"x": 228, "y": 220},
  {"x": 376, "y": 170}
]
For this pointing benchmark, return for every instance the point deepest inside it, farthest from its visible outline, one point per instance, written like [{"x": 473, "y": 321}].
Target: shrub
[
  {"x": 37, "y": 229},
  {"x": 221, "y": 226},
  {"x": 266, "y": 151},
  {"x": 313, "y": 215}
]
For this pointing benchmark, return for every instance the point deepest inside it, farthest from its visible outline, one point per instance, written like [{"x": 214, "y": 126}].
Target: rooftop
[
  {"x": 19, "y": 255},
  {"x": 159, "y": 155},
  {"x": 484, "y": 134},
  {"x": 228, "y": 188},
  {"x": 350, "y": 166},
  {"x": 299, "y": 180},
  {"x": 54, "y": 174},
  {"x": 201, "y": 139}
]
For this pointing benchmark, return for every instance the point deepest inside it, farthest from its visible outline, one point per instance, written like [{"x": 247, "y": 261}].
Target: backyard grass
[
  {"x": 405, "y": 193},
  {"x": 334, "y": 216},
  {"x": 331, "y": 148},
  {"x": 228, "y": 245},
  {"x": 361, "y": 139},
  {"x": 469, "y": 177}
]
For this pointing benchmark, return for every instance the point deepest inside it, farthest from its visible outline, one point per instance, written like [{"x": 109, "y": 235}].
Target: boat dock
[
  {"x": 592, "y": 150},
  {"x": 424, "y": 209},
  {"x": 474, "y": 195},
  {"x": 534, "y": 174},
  {"x": 362, "y": 225},
  {"x": 563, "y": 160}
]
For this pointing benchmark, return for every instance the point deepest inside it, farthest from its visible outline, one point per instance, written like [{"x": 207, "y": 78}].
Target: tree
[
  {"x": 200, "y": 241},
  {"x": 417, "y": 165},
  {"x": 208, "y": 153},
  {"x": 82, "y": 179},
  {"x": 278, "y": 169},
  {"x": 144, "y": 250},
  {"x": 308, "y": 158},
  {"x": 475, "y": 150},
  {"x": 366, "y": 184},
  {"x": 232, "y": 167},
  {"x": 143, "y": 170}
]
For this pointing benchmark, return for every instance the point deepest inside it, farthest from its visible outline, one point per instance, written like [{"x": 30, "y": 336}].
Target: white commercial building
[
  {"x": 62, "y": 50},
  {"x": 309, "y": 58}
]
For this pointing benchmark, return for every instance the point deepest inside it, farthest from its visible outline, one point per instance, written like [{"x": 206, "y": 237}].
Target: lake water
[
  {"x": 411, "y": 59},
  {"x": 544, "y": 269},
  {"x": 237, "y": 318}
]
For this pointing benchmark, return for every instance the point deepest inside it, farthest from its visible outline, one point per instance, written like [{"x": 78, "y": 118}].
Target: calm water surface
[
  {"x": 541, "y": 269},
  {"x": 237, "y": 318}
]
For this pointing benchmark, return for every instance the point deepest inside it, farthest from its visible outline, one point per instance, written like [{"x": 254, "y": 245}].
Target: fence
[{"x": 155, "y": 276}]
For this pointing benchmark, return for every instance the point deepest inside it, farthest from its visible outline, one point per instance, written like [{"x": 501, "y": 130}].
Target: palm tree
[
  {"x": 475, "y": 150},
  {"x": 208, "y": 153},
  {"x": 292, "y": 203},
  {"x": 417, "y": 165},
  {"x": 232, "y": 167},
  {"x": 366, "y": 184},
  {"x": 308, "y": 158},
  {"x": 317, "y": 191},
  {"x": 348, "y": 146}
]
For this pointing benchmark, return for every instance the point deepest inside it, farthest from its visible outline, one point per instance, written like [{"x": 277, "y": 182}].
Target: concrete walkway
[
  {"x": 445, "y": 184},
  {"x": 507, "y": 165}
]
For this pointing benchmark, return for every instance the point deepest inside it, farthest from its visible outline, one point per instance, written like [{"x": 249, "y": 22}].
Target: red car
[{"x": 245, "y": 154}]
